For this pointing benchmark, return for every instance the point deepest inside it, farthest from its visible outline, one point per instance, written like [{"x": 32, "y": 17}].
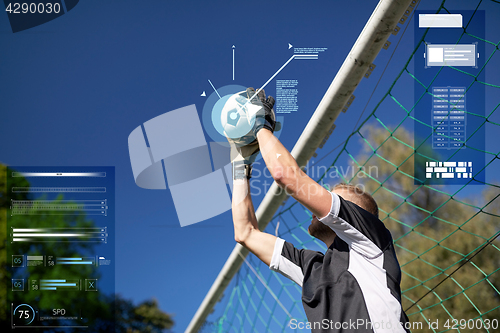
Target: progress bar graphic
[
  {"x": 98, "y": 235},
  {"x": 61, "y": 207},
  {"x": 58, "y": 190},
  {"x": 58, "y": 174},
  {"x": 76, "y": 261}
]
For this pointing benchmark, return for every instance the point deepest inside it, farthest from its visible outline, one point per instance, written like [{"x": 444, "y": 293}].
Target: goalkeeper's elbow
[
  {"x": 285, "y": 177},
  {"x": 242, "y": 235}
]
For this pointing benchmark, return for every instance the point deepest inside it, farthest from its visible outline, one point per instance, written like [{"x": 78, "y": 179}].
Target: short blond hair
[{"x": 359, "y": 197}]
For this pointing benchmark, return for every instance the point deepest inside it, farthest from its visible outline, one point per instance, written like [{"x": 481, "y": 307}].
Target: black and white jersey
[{"x": 355, "y": 285}]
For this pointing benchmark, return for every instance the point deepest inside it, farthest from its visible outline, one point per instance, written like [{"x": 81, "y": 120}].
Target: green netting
[{"x": 445, "y": 236}]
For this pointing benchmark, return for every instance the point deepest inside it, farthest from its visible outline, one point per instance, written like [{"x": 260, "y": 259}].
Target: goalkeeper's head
[
  {"x": 358, "y": 196},
  {"x": 350, "y": 193}
]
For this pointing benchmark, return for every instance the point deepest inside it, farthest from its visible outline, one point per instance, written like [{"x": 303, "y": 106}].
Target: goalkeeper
[{"x": 355, "y": 285}]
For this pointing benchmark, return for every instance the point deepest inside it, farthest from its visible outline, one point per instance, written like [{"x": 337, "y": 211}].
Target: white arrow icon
[
  {"x": 290, "y": 46},
  {"x": 203, "y": 94}
]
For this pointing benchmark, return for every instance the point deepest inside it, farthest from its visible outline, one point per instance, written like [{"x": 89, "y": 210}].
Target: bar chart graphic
[{"x": 59, "y": 284}]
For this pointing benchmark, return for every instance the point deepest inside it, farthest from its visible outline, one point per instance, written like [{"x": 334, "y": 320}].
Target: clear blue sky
[{"x": 73, "y": 89}]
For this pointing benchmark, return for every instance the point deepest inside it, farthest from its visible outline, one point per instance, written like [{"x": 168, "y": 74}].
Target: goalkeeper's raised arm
[
  {"x": 357, "y": 280},
  {"x": 243, "y": 154},
  {"x": 285, "y": 172}
]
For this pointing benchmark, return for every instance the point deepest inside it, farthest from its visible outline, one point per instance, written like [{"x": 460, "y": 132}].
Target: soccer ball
[{"x": 238, "y": 118}]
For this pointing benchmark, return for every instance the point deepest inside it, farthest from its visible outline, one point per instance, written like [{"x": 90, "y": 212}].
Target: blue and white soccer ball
[{"x": 238, "y": 118}]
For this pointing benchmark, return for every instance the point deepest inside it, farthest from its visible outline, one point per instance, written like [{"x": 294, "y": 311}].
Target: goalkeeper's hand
[
  {"x": 264, "y": 117},
  {"x": 242, "y": 157},
  {"x": 245, "y": 154}
]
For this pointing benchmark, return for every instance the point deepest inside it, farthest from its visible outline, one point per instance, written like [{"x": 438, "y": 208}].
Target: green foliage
[
  {"x": 434, "y": 233},
  {"x": 4, "y": 275},
  {"x": 145, "y": 317}
]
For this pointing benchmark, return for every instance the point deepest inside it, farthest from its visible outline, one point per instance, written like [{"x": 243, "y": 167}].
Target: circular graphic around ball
[
  {"x": 212, "y": 110},
  {"x": 216, "y": 114},
  {"x": 238, "y": 118},
  {"x": 227, "y": 96}
]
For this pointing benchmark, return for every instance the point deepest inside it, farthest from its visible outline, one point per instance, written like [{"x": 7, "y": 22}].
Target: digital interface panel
[
  {"x": 60, "y": 243},
  {"x": 449, "y": 108},
  {"x": 448, "y": 117},
  {"x": 451, "y": 55}
]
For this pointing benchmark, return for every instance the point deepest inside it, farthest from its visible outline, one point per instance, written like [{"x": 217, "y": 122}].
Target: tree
[
  {"x": 434, "y": 232},
  {"x": 145, "y": 317},
  {"x": 5, "y": 197}
]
